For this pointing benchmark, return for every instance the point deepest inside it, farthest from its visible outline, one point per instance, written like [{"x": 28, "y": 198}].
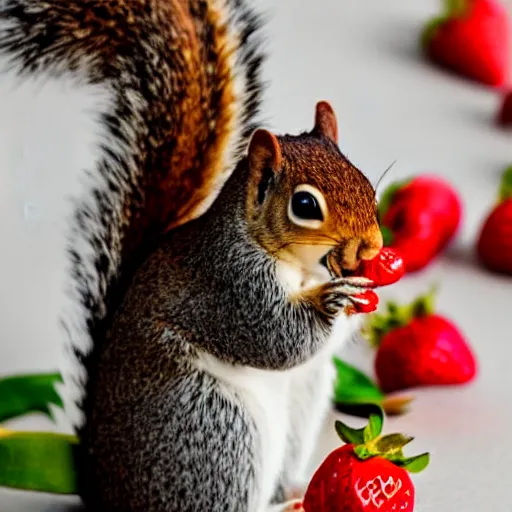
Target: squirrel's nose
[{"x": 361, "y": 248}]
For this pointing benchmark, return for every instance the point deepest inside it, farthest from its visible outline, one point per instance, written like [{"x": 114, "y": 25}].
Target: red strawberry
[
  {"x": 505, "y": 112},
  {"x": 494, "y": 246},
  {"x": 365, "y": 302},
  {"x": 417, "y": 347},
  {"x": 385, "y": 269},
  {"x": 368, "y": 474},
  {"x": 419, "y": 217},
  {"x": 471, "y": 38}
]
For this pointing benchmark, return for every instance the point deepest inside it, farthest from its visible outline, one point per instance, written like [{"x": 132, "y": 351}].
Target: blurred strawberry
[
  {"x": 417, "y": 347},
  {"x": 471, "y": 38},
  {"x": 505, "y": 112},
  {"x": 368, "y": 474},
  {"x": 419, "y": 217},
  {"x": 494, "y": 246}
]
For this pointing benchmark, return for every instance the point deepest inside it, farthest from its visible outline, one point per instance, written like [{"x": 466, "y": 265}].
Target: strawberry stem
[{"x": 506, "y": 185}]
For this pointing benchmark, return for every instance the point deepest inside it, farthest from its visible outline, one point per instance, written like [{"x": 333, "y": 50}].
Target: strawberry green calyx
[
  {"x": 452, "y": 9},
  {"x": 389, "y": 194},
  {"x": 387, "y": 236},
  {"x": 506, "y": 185},
  {"x": 369, "y": 442},
  {"x": 379, "y": 324}
]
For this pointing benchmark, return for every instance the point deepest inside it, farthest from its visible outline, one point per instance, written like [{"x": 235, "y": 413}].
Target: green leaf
[
  {"x": 506, "y": 185},
  {"x": 392, "y": 443},
  {"x": 23, "y": 394},
  {"x": 374, "y": 427},
  {"x": 353, "y": 386},
  {"x": 38, "y": 461},
  {"x": 424, "y": 305},
  {"x": 414, "y": 464},
  {"x": 348, "y": 434}
]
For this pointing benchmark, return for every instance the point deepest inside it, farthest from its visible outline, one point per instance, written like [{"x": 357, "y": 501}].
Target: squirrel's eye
[{"x": 305, "y": 206}]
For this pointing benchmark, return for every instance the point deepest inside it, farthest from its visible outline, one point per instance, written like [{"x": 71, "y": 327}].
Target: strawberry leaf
[
  {"x": 38, "y": 461},
  {"x": 354, "y": 387},
  {"x": 455, "y": 8},
  {"x": 374, "y": 427},
  {"x": 424, "y": 305},
  {"x": 348, "y": 434},
  {"x": 414, "y": 464},
  {"x": 506, "y": 185},
  {"x": 386, "y": 199},
  {"x": 379, "y": 324},
  {"x": 24, "y": 394},
  {"x": 392, "y": 443}
]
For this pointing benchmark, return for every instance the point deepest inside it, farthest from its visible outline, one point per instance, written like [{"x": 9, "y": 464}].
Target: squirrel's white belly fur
[{"x": 269, "y": 395}]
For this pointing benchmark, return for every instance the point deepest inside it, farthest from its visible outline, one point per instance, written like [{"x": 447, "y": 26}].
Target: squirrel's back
[{"x": 174, "y": 89}]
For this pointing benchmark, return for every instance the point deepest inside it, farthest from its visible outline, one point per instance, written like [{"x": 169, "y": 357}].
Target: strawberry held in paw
[
  {"x": 494, "y": 246},
  {"x": 368, "y": 474},
  {"x": 419, "y": 217},
  {"x": 416, "y": 347},
  {"x": 471, "y": 38},
  {"x": 385, "y": 269}
]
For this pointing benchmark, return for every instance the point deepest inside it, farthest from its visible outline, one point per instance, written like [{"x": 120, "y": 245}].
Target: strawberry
[
  {"x": 417, "y": 347},
  {"x": 504, "y": 117},
  {"x": 385, "y": 269},
  {"x": 471, "y": 38},
  {"x": 368, "y": 474},
  {"x": 494, "y": 245},
  {"x": 365, "y": 302},
  {"x": 419, "y": 217}
]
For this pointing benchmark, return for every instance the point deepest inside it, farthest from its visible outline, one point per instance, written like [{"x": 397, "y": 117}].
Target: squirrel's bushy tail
[{"x": 182, "y": 88}]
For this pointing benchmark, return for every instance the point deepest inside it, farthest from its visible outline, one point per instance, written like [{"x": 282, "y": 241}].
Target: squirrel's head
[{"x": 305, "y": 197}]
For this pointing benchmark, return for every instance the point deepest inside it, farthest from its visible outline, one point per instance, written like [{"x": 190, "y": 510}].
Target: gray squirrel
[
  {"x": 208, "y": 322},
  {"x": 217, "y": 371}
]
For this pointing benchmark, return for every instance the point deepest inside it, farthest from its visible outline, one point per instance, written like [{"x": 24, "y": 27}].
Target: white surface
[{"x": 363, "y": 57}]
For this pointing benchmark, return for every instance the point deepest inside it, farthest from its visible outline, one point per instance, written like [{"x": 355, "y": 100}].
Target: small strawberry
[
  {"x": 416, "y": 347},
  {"x": 368, "y": 474},
  {"x": 419, "y": 217},
  {"x": 471, "y": 38},
  {"x": 494, "y": 245},
  {"x": 504, "y": 117},
  {"x": 365, "y": 302},
  {"x": 385, "y": 269}
]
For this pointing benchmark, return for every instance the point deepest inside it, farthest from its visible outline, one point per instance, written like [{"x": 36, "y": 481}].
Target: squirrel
[{"x": 208, "y": 318}]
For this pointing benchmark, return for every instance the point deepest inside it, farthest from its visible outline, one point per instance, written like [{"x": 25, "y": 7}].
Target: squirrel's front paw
[{"x": 337, "y": 294}]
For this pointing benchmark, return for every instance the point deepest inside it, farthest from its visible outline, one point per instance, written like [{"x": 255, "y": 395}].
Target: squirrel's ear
[
  {"x": 264, "y": 157},
  {"x": 264, "y": 151},
  {"x": 325, "y": 121}
]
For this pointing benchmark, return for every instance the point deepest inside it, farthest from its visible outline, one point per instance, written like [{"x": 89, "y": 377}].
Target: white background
[{"x": 363, "y": 57}]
